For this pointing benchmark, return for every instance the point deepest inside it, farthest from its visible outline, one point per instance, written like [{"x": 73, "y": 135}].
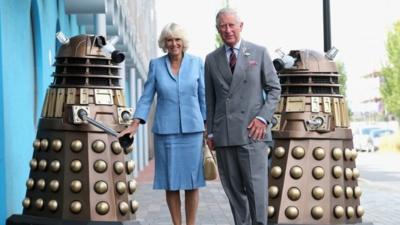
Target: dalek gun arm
[{"x": 125, "y": 141}]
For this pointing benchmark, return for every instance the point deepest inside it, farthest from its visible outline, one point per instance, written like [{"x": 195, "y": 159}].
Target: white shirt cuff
[{"x": 261, "y": 119}]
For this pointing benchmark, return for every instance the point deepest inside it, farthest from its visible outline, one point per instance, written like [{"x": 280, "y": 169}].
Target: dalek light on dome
[
  {"x": 80, "y": 173},
  {"x": 313, "y": 178}
]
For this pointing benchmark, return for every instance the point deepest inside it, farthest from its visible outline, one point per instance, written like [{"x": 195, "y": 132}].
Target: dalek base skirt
[
  {"x": 313, "y": 178},
  {"x": 34, "y": 220},
  {"x": 80, "y": 172}
]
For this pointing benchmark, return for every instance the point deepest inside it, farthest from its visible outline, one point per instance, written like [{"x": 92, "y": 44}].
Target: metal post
[{"x": 327, "y": 25}]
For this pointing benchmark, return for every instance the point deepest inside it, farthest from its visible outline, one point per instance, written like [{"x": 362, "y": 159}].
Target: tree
[
  {"x": 390, "y": 89},
  {"x": 342, "y": 78}
]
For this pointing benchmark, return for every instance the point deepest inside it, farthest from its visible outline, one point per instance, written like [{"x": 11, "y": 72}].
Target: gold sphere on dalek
[
  {"x": 80, "y": 171},
  {"x": 313, "y": 175}
]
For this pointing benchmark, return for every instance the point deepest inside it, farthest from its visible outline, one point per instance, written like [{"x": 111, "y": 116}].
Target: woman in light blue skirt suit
[{"x": 178, "y": 80}]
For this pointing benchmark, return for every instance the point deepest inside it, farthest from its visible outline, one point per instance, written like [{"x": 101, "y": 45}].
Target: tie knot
[{"x": 232, "y": 50}]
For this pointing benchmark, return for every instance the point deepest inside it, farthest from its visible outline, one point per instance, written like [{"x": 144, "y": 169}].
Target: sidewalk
[
  {"x": 213, "y": 208},
  {"x": 379, "y": 182}
]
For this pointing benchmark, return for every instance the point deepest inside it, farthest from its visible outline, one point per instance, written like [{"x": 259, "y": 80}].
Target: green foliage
[
  {"x": 390, "y": 90},
  {"x": 218, "y": 41},
  {"x": 342, "y": 78}
]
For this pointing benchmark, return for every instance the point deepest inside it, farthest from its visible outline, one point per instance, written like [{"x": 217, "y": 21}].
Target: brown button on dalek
[
  {"x": 313, "y": 175},
  {"x": 80, "y": 172}
]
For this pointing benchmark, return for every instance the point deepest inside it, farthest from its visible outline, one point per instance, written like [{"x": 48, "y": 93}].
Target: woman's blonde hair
[{"x": 173, "y": 30}]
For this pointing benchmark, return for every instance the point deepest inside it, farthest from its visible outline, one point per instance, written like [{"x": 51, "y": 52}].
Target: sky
[{"x": 359, "y": 29}]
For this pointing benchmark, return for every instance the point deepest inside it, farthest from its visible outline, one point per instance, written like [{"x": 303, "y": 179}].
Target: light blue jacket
[{"x": 180, "y": 99}]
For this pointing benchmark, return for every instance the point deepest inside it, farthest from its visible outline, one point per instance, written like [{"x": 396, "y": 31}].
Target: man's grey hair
[
  {"x": 173, "y": 30},
  {"x": 227, "y": 11}
]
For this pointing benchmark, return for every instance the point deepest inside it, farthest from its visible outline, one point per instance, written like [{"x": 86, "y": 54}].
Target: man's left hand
[{"x": 257, "y": 129}]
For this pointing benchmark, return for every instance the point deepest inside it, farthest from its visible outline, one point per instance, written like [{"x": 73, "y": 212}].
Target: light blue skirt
[{"x": 178, "y": 161}]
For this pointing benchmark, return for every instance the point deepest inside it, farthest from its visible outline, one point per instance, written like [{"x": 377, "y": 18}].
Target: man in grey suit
[{"x": 242, "y": 92}]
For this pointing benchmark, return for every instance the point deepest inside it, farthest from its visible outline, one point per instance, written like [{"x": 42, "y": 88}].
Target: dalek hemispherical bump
[
  {"x": 317, "y": 212},
  {"x": 356, "y": 173},
  {"x": 292, "y": 212},
  {"x": 128, "y": 149},
  {"x": 123, "y": 208},
  {"x": 318, "y": 172},
  {"x": 338, "y": 211},
  {"x": 347, "y": 154},
  {"x": 298, "y": 152},
  {"x": 56, "y": 145},
  {"x": 294, "y": 193},
  {"x": 98, "y": 146},
  {"x": 75, "y": 207},
  {"x": 279, "y": 152},
  {"x": 271, "y": 211},
  {"x": 296, "y": 172},
  {"x": 348, "y": 173},
  {"x": 101, "y": 187},
  {"x": 30, "y": 183},
  {"x": 41, "y": 184},
  {"x": 276, "y": 172},
  {"x": 52, "y": 205},
  {"x": 36, "y": 144},
  {"x": 337, "y": 153},
  {"x": 26, "y": 203},
  {"x": 318, "y": 193},
  {"x": 350, "y": 212},
  {"x": 354, "y": 154},
  {"x": 357, "y": 192},
  {"x": 337, "y": 191},
  {"x": 273, "y": 191},
  {"x": 42, "y": 165},
  {"x": 100, "y": 166},
  {"x": 319, "y": 153},
  {"x": 76, "y": 145},
  {"x": 130, "y": 166},
  {"x": 55, "y": 166},
  {"x": 118, "y": 167},
  {"x": 54, "y": 185},
  {"x": 44, "y": 144},
  {"x": 76, "y": 165},
  {"x": 121, "y": 187},
  {"x": 349, "y": 192},
  {"x": 39, "y": 203},
  {"x": 132, "y": 185},
  {"x": 33, "y": 164},
  {"x": 360, "y": 211},
  {"x": 76, "y": 186},
  {"x": 134, "y": 206},
  {"x": 337, "y": 171},
  {"x": 102, "y": 208},
  {"x": 116, "y": 147}
]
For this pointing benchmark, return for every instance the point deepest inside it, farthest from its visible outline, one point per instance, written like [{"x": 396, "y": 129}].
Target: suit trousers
[{"x": 243, "y": 174}]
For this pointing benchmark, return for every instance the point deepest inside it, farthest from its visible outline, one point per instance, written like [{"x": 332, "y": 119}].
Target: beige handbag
[{"x": 209, "y": 164}]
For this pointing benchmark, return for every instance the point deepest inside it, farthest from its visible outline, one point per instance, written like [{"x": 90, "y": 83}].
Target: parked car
[
  {"x": 361, "y": 139},
  {"x": 376, "y": 135}
]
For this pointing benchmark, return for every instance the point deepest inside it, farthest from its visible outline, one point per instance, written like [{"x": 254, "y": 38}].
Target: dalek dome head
[{"x": 89, "y": 46}]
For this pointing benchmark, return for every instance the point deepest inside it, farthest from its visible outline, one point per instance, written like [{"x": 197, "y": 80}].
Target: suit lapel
[
  {"x": 225, "y": 75},
  {"x": 240, "y": 69},
  {"x": 168, "y": 65}
]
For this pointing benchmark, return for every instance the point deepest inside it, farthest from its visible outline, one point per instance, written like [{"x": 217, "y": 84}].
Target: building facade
[{"x": 27, "y": 49}]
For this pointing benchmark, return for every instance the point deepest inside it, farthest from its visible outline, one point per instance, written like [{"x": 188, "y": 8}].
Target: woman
[{"x": 178, "y": 80}]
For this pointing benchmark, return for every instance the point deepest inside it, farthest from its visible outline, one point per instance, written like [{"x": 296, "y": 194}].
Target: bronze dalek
[
  {"x": 313, "y": 176},
  {"x": 80, "y": 174}
]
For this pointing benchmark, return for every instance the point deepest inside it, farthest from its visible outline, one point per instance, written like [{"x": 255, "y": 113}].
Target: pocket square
[{"x": 252, "y": 63}]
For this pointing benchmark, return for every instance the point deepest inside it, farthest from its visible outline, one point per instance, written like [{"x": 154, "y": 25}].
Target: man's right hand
[{"x": 210, "y": 143}]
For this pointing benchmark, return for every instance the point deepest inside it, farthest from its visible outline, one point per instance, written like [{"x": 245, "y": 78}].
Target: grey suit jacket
[{"x": 234, "y": 100}]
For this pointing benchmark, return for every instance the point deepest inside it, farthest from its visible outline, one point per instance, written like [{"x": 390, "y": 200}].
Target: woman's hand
[{"x": 131, "y": 130}]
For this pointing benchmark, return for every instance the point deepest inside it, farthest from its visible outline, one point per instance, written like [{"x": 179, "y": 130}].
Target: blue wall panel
[
  {"x": 2, "y": 152},
  {"x": 27, "y": 51}
]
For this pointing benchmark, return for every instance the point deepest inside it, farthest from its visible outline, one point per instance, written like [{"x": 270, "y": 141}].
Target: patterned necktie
[{"x": 232, "y": 60}]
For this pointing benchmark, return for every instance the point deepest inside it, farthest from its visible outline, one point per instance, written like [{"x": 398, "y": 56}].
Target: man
[{"x": 242, "y": 91}]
